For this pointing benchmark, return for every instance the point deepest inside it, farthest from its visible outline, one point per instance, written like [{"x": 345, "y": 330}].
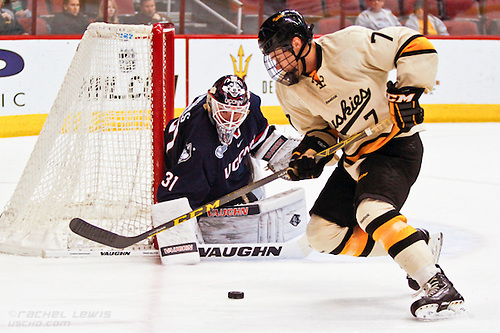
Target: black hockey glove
[
  {"x": 404, "y": 107},
  {"x": 303, "y": 165}
]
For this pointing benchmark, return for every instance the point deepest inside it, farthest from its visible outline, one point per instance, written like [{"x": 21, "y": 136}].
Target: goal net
[{"x": 99, "y": 154}]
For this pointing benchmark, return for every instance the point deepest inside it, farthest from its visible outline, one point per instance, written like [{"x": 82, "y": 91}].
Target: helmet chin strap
[{"x": 302, "y": 59}]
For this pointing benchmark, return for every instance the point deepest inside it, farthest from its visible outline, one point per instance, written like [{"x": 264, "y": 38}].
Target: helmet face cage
[
  {"x": 282, "y": 65},
  {"x": 229, "y": 104}
]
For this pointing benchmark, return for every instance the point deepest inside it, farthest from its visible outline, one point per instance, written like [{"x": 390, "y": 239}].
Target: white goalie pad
[
  {"x": 277, "y": 219},
  {"x": 177, "y": 245},
  {"x": 296, "y": 248}
]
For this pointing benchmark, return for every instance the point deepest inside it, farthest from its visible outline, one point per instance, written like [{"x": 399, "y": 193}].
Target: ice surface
[{"x": 457, "y": 193}]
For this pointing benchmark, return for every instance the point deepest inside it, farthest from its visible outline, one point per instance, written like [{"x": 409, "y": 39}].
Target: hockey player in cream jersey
[{"x": 334, "y": 87}]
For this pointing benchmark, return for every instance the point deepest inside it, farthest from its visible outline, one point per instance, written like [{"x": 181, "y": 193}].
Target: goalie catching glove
[
  {"x": 303, "y": 165},
  {"x": 405, "y": 110}
]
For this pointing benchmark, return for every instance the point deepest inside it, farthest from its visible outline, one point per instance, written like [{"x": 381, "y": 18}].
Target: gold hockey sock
[{"x": 358, "y": 243}]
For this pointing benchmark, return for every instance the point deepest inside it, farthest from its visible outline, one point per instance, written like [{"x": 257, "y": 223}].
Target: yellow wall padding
[
  {"x": 25, "y": 125},
  {"x": 22, "y": 125}
]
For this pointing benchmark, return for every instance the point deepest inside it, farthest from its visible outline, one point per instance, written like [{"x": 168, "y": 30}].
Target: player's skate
[
  {"x": 441, "y": 300},
  {"x": 435, "y": 243}
]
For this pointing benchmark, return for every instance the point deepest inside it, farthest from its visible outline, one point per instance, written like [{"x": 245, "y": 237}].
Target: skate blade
[{"x": 429, "y": 312}]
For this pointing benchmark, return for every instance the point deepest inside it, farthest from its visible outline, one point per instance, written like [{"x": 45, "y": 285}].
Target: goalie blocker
[{"x": 272, "y": 228}]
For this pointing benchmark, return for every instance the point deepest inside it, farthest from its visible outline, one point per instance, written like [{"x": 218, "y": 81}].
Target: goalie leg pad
[
  {"x": 277, "y": 219},
  {"x": 177, "y": 245}
]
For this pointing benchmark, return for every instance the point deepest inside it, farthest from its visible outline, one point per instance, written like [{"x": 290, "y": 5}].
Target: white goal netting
[{"x": 93, "y": 158}]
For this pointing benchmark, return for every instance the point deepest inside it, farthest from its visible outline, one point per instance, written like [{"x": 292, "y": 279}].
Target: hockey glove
[
  {"x": 303, "y": 165},
  {"x": 404, "y": 107},
  {"x": 277, "y": 151}
]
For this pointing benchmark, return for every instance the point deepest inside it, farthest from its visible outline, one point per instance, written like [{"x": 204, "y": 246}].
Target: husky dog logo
[{"x": 235, "y": 91}]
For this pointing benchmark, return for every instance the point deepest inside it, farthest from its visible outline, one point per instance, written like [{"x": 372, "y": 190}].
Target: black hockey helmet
[
  {"x": 228, "y": 101},
  {"x": 279, "y": 30},
  {"x": 275, "y": 41}
]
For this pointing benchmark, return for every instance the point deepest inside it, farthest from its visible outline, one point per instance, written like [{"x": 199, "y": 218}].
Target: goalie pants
[{"x": 386, "y": 175}]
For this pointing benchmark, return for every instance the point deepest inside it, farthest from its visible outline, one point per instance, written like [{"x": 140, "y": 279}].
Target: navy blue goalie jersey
[{"x": 197, "y": 165}]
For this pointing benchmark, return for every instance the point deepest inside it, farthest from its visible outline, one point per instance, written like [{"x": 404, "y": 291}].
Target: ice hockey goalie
[{"x": 208, "y": 153}]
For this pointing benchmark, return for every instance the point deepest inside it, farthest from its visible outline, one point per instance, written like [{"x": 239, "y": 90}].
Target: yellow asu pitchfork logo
[{"x": 239, "y": 71}]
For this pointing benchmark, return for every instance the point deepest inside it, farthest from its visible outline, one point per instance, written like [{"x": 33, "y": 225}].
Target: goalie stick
[{"x": 106, "y": 237}]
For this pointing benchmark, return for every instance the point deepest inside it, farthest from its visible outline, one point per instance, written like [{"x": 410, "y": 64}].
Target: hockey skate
[
  {"x": 441, "y": 300},
  {"x": 435, "y": 243}
]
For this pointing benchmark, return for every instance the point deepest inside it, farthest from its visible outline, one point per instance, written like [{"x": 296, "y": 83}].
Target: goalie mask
[
  {"x": 275, "y": 42},
  {"x": 228, "y": 101}
]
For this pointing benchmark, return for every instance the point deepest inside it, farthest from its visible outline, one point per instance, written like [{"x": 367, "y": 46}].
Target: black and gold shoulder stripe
[{"x": 415, "y": 45}]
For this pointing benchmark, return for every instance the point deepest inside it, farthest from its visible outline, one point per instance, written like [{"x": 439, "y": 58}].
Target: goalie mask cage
[{"x": 99, "y": 155}]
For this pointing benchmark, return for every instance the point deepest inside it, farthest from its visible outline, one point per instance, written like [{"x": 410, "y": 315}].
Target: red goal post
[
  {"x": 99, "y": 155},
  {"x": 163, "y": 92}
]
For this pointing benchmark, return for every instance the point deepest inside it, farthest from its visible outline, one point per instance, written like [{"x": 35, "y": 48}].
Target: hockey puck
[{"x": 235, "y": 294}]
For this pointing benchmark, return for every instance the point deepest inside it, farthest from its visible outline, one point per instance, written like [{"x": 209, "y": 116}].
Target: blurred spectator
[
  {"x": 18, "y": 7},
  {"x": 416, "y": 21},
  {"x": 70, "y": 21},
  {"x": 112, "y": 12},
  {"x": 376, "y": 17},
  {"x": 8, "y": 22},
  {"x": 271, "y": 7},
  {"x": 147, "y": 14},
  {"x": 90, "y": 8}
]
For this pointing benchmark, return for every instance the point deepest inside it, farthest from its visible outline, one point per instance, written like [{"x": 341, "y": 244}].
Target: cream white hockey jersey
[{"x": 348, "y": 92}]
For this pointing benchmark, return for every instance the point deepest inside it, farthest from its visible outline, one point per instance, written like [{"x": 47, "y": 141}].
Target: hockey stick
[{"x": 106, "y": 237}]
